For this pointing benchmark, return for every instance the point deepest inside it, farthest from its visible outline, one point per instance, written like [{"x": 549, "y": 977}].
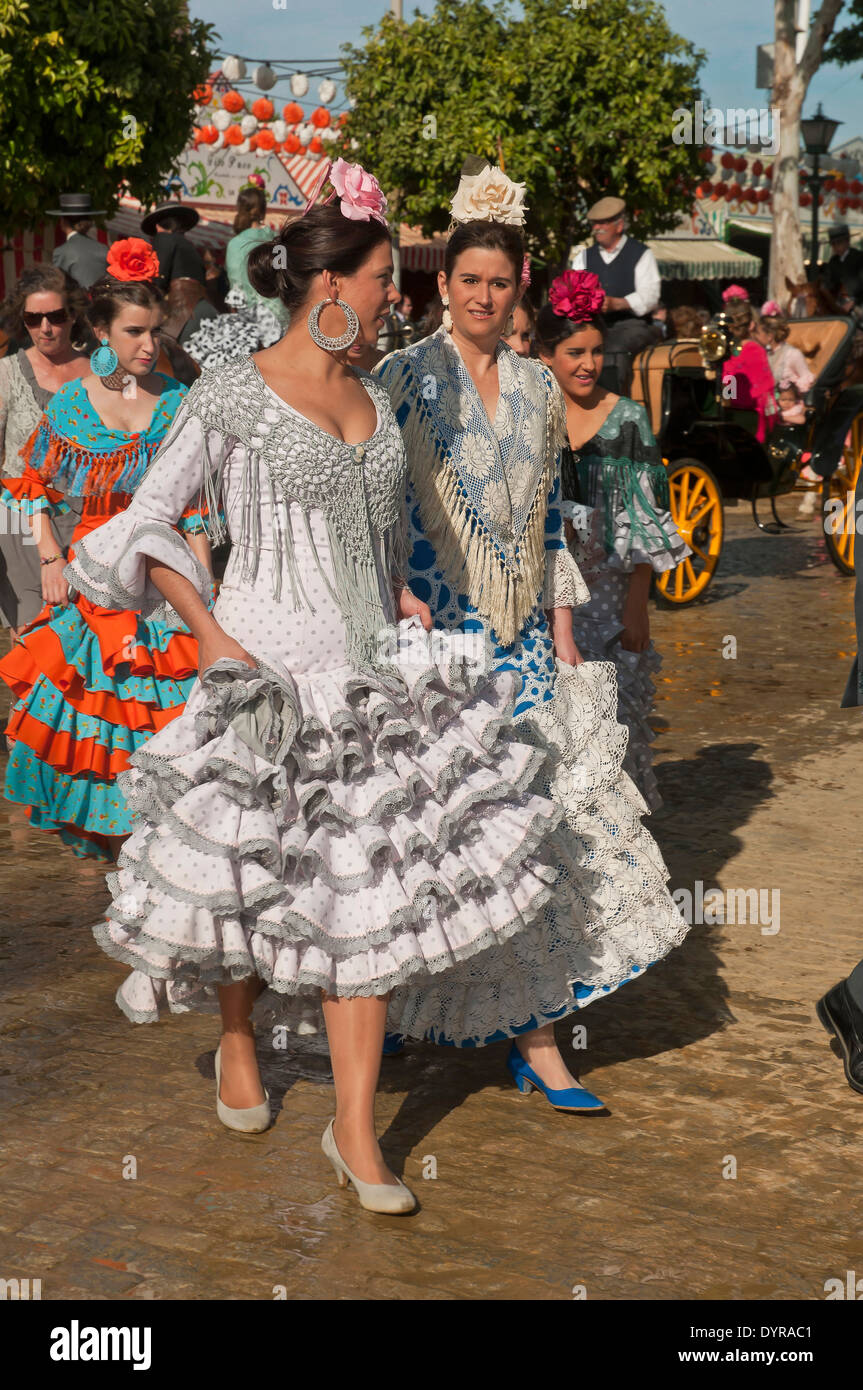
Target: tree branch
[{"x": 820, "y": 32}]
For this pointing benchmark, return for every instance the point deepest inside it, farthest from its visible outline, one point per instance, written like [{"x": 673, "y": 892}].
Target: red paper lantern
[
  {"x": 727, "y": 161},
  {"x": 293, "y": 113},
  {"x": 292, "y": 144},
  {"x": 203, "y": 95},
  {"x": 263, "y": 108},
  {"x": 764, "y": 195},
  {"x": 321, "y": 118},
  {"x": 740, "y": 164},
  {"x": 805, "y": 199},
  {"x": 266, "y": 140},
  {"x": 701, "y": 190},
  {"x": 705, "y": 154},
  {"x": 208, "y": 134},
  {"x": 234, "y": 136},
  {"x": 720, "y": 188},
  {"x": 757, "y": 168},
  {"x": 856, "y": 186},
  {"x": 734, "y": 191},
  {"x": 233, "y": 102},
  {"x": 751, "y": 195}
]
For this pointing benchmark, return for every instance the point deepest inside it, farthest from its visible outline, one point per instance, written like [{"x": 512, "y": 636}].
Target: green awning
[{"x": 702, "y": 258}]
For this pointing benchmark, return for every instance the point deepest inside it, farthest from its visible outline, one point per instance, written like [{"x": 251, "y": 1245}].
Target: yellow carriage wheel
[
  {"x": 839, "y": 521},
  {"x": 696, "y": 507}
]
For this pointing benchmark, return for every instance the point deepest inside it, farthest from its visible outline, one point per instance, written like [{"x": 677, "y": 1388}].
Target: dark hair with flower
[{"x": 575, "y": 301}]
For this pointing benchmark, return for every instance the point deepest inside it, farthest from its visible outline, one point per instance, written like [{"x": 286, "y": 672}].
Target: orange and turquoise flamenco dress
[{"x": 92, "y": 684}]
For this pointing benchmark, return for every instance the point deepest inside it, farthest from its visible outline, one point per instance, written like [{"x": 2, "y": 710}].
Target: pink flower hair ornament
[
  {"x": 577, "y": 295},
  {"x": 771, "y": 310},
  {"x": 359, "y": 193},
  {"x": 525, "y": 273},
  {"x": 735, "y": 292}
]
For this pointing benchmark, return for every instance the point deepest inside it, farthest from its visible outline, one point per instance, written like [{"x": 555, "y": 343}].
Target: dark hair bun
[{"x": 323, "y": 239}]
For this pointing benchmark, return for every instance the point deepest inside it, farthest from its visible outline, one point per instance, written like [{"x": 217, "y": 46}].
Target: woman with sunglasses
[
  {"x": 93, "y": 684},
  {"x": 46, "y": 307}
]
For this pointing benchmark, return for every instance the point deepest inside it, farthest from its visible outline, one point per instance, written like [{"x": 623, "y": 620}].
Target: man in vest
[
  {"x": 81, "y": 256},
  {"x": 629, "y": 275}
]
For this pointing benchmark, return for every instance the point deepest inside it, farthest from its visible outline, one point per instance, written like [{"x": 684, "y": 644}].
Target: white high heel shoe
[
  {"x": 374, "y": 1196},
  {"x": 254, "y": 1119}
]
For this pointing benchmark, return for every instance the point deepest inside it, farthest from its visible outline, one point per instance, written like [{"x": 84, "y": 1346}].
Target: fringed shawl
[
  {"x": 359, "y": 490},
  {"x": 482, "y": 487},
  {"x": 620, "y": 470},
  {"x": 75, "y": 453}
]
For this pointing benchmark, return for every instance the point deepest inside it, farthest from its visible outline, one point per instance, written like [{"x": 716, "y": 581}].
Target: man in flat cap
[
  {"x": 80, "y": 256},
  {"x": 845, "y": 268},
  {"x": 178, "y": 258},
  {"x": 629, "y": 275}
]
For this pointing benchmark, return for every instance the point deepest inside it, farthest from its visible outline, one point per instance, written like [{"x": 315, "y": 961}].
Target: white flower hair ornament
[{"x": 489, "y": 195}]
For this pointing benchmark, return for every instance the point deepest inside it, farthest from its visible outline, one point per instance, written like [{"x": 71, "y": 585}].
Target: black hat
[
  {"x": 75, "y": 205},
  {"x": 186, "y": 215},
  {"x": 838, "y": 232}
]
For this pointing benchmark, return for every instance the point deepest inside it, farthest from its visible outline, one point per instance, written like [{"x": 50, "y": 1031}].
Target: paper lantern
[
  {"x": 764, "y": 195},
  {"x": 244, "y": 147},
  {"x": 292, "y": 144},
  {"x": 704, "y": 154},
  {"x": 219, "y": 140},
  {"x": 263, "y": 109},
  {"x": 266, "y": 139},
  {"x": 234, "y": 69},
  {"x": 306, "y": 134},
  {"x": 204, "y": 95},
  {"x": 299, "y": 84},
  {"x": 293, "y": 113},
  {"x": 326, "y": 91},
  {"x": 315, "y": 146},
  {"x": 701, "y": 190},
  {"x": 727, "y": 161},
  {"x": 248, "y": 125},
  {"x": 264, "y": 77},
  {"x": 221, "y": 120},
  {"x": 720, "y": 188},
  {"x": 734, "y": 191},
  {"x": 233, "y": 135},
  {"x": 279, "y": 129},
  {"x": 329, "y": 136},
  {"x": 209, "y": 134},
  {"x": 856, "y": 186},
  {"x": 321, "y": 118},
  {"x": 757, "y": 168},
  {"x": 805, "y": 199},
  {"x": 234, "y": 102}
]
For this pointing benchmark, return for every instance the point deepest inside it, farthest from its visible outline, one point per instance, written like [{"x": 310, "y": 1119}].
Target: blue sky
[{"x": 729, "y": 31}]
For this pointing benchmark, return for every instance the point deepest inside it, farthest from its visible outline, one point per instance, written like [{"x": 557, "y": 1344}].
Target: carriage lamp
[
  {"x": 817, "y": 132},
  {"x": 715, "y": 344}
]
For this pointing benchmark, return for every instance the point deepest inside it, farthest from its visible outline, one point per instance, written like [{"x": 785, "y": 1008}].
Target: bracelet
[{"x": 50, "y": 559}]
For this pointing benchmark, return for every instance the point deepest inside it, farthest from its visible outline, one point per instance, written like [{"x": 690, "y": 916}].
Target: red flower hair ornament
[
  {"x": 132, "y": 259},
  {"x": 577, "y": 295}
]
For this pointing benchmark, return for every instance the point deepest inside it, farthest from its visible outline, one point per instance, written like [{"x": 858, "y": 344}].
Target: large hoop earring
[
  {"x": 446, "y": 320},
  {"x": 346, "y": 339},
  {"x": 104, "y": 360}
]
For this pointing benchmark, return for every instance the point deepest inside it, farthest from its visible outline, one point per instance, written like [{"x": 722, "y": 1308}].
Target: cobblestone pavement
[{"x": 714, "y": 1061}]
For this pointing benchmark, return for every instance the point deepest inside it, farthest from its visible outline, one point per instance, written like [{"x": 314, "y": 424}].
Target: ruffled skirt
[
  {"x": 92, "y": 685},
  {"x": 326, "y": 831}
]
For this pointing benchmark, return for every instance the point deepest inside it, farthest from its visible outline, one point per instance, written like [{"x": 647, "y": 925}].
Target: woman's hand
[
  {"x": 54, "y": 587},
  {"x": 216, "y": 646},
  {"x": 409, "y": 606},
  {"x": 560, "y": 622},
  {"x": 636, "y": 622}
]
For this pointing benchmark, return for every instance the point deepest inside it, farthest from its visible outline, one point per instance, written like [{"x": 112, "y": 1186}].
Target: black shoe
[{"x": 841, "y": 1016}]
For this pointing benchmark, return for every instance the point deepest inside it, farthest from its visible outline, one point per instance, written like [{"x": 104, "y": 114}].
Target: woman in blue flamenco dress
[
  {"x": 92, "y": 684},
  {"x": 484, "y": 432}
]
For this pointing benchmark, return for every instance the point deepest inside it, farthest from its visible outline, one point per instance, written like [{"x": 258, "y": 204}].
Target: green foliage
[
  {"x": 579, "y": 101},
  {"x": 846, "y": 45},
  {"x": 93, "y": 92}
]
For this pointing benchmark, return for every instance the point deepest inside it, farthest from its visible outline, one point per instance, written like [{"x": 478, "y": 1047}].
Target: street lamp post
[{"x": 818, "y": 133}]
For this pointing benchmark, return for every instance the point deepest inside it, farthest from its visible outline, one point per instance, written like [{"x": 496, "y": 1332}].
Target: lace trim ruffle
[{"x": 564, "y": 585}]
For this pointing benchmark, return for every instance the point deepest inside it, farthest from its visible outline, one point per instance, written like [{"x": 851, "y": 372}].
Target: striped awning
[
  {"x": 702, "y": 258},
  {"x": 419, "y": 252}
]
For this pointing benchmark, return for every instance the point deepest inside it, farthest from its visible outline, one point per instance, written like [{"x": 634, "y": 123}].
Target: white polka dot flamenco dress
[{"x": 353, "y": 816}]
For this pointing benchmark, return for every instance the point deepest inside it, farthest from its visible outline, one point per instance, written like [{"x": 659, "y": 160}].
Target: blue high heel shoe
[
  {"x": 574, "y": 1098},
  {"x": 394, "y": 1043}
]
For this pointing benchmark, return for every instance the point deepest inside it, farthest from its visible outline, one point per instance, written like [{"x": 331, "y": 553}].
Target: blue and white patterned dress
[{"x": 488, "y": 554}]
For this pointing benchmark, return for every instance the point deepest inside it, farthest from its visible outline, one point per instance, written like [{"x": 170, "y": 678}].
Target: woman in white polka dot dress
[
  {"x": 340, "y": 816},
  {"x": 615, "y": 496}
]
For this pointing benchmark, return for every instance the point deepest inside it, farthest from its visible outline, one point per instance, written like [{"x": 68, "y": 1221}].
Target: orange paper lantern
[
  {"x": 263, "y": 108},
  {"x": 315, "y": 146},
  {"x": 234, "y": 136},
  {"x": 293, "y": 113},
  {"x": 321, "y": 118},
  {"x": 208, "y": 134},
  {"x": 233, "y": 102},
  {"x": 203, "y": 95},
  {"x": 266, "y": 140}
]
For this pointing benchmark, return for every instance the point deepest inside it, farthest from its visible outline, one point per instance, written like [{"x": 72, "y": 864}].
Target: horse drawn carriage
[{"x": 713, "y": 455}]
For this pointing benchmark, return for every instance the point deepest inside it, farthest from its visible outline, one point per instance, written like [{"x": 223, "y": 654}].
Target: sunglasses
[{"x": 56, "y": 317}]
